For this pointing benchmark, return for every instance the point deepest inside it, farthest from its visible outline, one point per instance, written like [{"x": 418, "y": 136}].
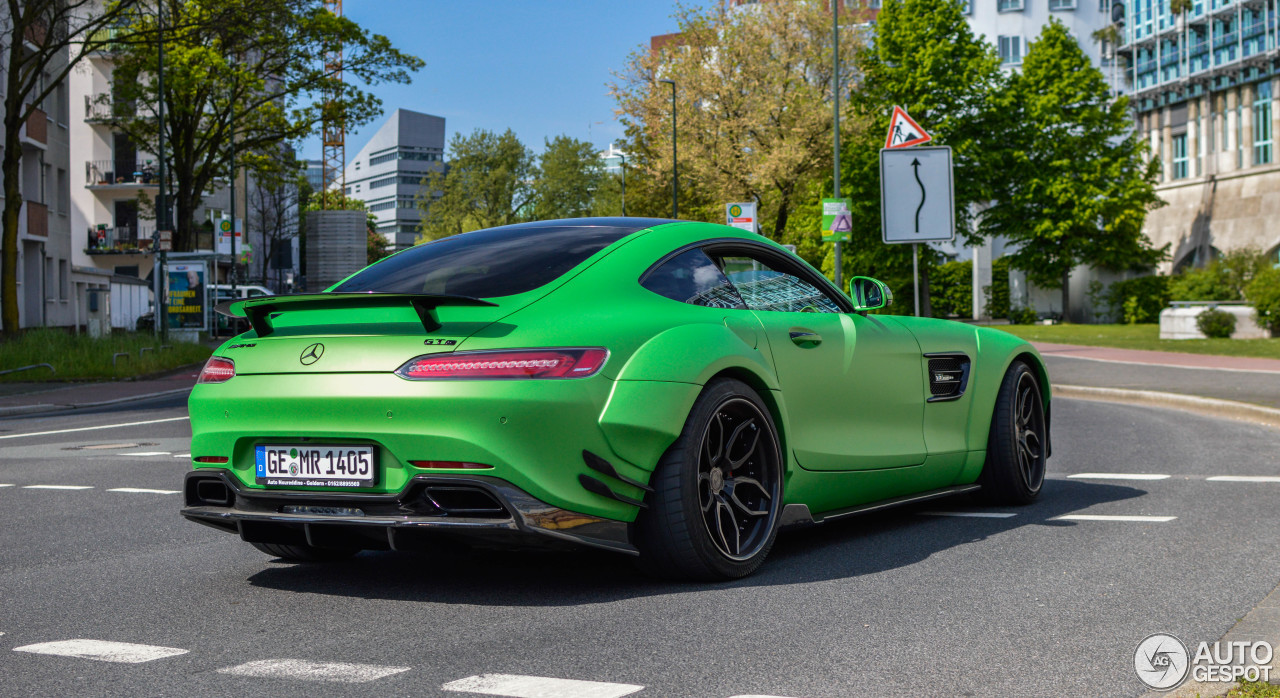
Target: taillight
[
  {"x": 217, "y": 370},
  {"x": 519, "y": 363},
  {"x": 211, "y": 459}
]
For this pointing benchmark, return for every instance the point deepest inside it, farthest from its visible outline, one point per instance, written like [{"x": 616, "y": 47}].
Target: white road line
[
  {"x": 1243, "y": 478},
  {"x": 104, "y": 426},
  {"x": 304, "y": 670},
  {"x": 145, "y": 453},
  {"x": 182, "y": 455},
  {"x": 57, "y": 487},
  {"x": 753, "y": 696},
  {"x": 142, "y": 490},
  {"x": 1099, "y": 517},
  {"x": 514, "y": 686},
  {"x": 6, "y": 485},
  {"x": 103, "y": 651},
  {"x": 1119, "y": 476},
  {"x": 971, "y": 514}
]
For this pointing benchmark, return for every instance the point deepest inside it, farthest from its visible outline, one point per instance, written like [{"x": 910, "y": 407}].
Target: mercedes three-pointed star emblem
[{"x": 311, "y": 354}]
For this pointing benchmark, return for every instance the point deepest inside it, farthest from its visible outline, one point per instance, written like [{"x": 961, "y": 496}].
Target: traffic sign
[
  {"x": 917, "y": 200},
  {"x": 831, "y": 208},
  {"x": 741, "y": 215},
  {"x": 904, "y": 131}
]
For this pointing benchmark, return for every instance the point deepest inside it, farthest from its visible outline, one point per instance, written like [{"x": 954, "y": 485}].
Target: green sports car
[{"x": 671, "y": 390}]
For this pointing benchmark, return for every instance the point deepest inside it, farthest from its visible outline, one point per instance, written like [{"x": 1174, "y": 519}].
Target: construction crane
[{"x": 333, "y": 129}]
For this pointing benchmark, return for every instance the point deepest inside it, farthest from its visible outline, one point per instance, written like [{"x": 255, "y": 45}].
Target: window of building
[
  {"x": 1262, "y": 135},
  {"x": 1239, "y": 139},
  {"x": 1009, "y": 5},
  {"x": 1061, "y": 5},
  {"x": 64, "y": 281},
  {"x": 967, "y": 7},
  {"x": 45, "y": 169},
  {"x": 50, "y": 279},
  {"x": 1180, "y": 156},
  {"x": 1010, "y": 49},
  {"x": 384, "y": 182},
  {"x": 64, "y": 191}
]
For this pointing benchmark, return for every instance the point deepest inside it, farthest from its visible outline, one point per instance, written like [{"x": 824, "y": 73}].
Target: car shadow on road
[{"x": 843, "y": 549}]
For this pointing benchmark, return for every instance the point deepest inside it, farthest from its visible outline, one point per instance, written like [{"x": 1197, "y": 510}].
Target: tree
[
  {"x": 273, "y": 205},
  {"x": 753, "y": 88},
  {"x": 569, "y": 174},
  {"x": 487, "y": 183},
  {"x": 41, "y": 41},
  {"x": 253, "y": 70},
  {"x": 1078, "y": 187},
  {"x": 927, "y": 60}
]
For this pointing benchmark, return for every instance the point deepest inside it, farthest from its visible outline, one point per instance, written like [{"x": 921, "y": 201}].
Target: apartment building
[{"x": 388, "y": 172}]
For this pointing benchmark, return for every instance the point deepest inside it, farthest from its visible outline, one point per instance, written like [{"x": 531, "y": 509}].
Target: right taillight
[{"x": 217, "y": 370}]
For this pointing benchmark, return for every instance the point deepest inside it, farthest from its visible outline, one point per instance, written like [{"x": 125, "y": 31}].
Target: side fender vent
[{"x": 948, "y": 375}]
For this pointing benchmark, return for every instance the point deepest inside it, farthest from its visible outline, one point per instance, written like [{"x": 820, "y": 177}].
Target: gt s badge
[
  {"x": 311, "y": 354},
  {"x": 439, "y": 342},
  {"x": 242, "y": 346}
]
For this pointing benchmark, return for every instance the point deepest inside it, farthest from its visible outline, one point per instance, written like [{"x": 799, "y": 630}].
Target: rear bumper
[{"x": 428, "y": 508}]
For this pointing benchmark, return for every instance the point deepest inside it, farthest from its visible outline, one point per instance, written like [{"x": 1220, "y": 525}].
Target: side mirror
[{"x": 868, "y": 294}]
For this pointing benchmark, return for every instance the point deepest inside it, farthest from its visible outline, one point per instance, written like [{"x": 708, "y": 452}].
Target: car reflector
[
  {"x": 449, "y": 464},
  {"x": 520, "y": 363},
  {"x": 212, "y": 459},
  {"x": 217, "y": 370}
]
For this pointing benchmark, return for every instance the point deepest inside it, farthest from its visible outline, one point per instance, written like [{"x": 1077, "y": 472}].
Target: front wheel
[
  {"x": 1017, "y": 445},
  {"x": 713, "y": 514}
]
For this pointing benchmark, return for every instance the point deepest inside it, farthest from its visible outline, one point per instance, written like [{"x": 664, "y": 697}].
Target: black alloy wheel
[
  {"x": 1017, "y": 446},
  {"x": 737, "y": 479}
]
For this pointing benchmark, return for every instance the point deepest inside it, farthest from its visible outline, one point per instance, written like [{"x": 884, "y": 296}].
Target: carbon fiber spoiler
[{"x": 260, "y": 310}]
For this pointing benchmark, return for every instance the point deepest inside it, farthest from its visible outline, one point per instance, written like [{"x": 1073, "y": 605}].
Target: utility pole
[
  {"x": 160, "y": 317},
  {"x": 835, "y": 130},
  {"x": 675, "y": 163}
]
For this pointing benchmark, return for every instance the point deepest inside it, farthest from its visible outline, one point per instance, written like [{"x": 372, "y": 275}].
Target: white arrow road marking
[
  {"x": 57, "y": 487},
  {"x": 1119, "y": 476},
  {"x": 145, "y": 453},
  {"x": 514, "y": 686},
  {"x": 1099, "y": 517},
  {"x": 104, "y": 426},
  {"x": 1244, "y": 478},
  {"x": 971, "y": 514},
  {"x": 103, "y": 651},
  {"x": 304, "y": 670},
  {"x": 142, "y": 490}
]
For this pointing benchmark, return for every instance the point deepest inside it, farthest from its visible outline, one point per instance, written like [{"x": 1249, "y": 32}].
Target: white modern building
[
  {"x": 1012, "y": 25},
  {"x": 389, "y": 170}
]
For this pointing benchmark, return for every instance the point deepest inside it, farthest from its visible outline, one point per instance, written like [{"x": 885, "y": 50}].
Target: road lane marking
[
  {"x": 145, "y": 453},
  {"x": 754, "y": 696},
  {"x": 335, "y": 672},
  {"x": 971, "y": 514},
  {"x": 1100, "y": 517},
  {"x": 57, "y": 487},
  {"x": 6, "y": 485},
  {"x": 1243, "y": 478},
  {"x": 182, "y": 455},
  {"x": 142, "y": 490},
  {"x": 1119, "y": 476},
  {"x": 104, "y": 426},
  {"x": 514, "y": 686},
  {"x": 103, "y": 651}
]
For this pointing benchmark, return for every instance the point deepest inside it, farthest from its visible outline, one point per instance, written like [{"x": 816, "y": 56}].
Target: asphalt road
[
  {"x": 1258, "y": 387},
  {"x": 901, "y": 603}
]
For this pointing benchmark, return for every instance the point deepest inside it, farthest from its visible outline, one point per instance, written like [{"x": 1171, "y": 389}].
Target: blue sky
[{"x": 539, "y": 67}]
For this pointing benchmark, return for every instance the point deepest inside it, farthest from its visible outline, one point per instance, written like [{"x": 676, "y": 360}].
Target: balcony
[
  {"x": 36, "y": 131},
  {"x": 37, "y": 219},
  {"x": 104, "y": 41},
  {"x": 129, "y": 173},
  {"x": 98, "y": 109},
  {"x": 122, "y": 239}
]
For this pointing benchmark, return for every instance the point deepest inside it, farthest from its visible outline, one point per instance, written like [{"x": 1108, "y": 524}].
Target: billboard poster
[{"x": 186, "y": 296}]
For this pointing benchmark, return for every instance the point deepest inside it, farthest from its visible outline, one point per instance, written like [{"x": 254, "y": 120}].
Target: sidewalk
[{"x": 34, "y": 398}]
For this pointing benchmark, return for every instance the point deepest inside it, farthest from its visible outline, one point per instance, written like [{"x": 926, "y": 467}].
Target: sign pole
[
  {"x": 915, "y": 274},
  {"x": 835, "y": 130}
]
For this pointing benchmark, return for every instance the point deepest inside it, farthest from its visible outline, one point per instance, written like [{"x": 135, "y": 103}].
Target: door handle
[{"x": 804, "y": 338}]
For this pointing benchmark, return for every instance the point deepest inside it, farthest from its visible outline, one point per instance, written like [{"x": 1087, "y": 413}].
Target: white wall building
[{"x": 388, "y": 171}]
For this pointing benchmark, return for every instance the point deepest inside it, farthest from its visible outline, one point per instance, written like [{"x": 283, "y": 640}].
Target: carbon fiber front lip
[{"x": 526, "y": 515}]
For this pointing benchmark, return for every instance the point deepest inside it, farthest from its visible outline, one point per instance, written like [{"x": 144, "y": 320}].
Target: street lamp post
[
  {"x": 835, "y": 130},
  {"x": 675, "y": 164},
  {"x": 160, "y": 316},
  {"x": 623, "y": 170}
]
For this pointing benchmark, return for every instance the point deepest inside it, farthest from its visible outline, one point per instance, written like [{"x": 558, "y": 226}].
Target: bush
[
  {"x": 1224, "y": 279},
  {"x": 998, "y": 292},
  {"x": 1138, "y": 300},
  {"x": 1263, "y": 293},
  {"x": 951, "y": 289},
  {"x": 1023, "y": 316},
  {"x": 1216, "y": 324}
]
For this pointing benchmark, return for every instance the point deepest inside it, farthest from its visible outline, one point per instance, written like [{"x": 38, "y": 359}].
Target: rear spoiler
[{"x": 259, "y": 311}]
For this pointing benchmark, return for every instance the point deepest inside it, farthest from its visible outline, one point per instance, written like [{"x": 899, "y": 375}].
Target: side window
[
  {"x": 691, "y": 277},
  {"x": 766, "y": 288}
]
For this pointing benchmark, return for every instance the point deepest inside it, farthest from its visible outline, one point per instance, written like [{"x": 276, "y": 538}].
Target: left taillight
[
  {"x": 506, "y": 364},
  {"x": 217, "y": 370}
]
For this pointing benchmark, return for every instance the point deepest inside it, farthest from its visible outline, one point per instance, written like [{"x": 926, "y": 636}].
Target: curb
[
  {"x": 1205, "y": 406},
  {"x": 46, "y": 407}
]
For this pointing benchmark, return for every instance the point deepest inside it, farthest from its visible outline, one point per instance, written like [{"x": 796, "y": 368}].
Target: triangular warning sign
[
  {"x": 904, "y": 131},
  {"x": 842, "y": 223}
]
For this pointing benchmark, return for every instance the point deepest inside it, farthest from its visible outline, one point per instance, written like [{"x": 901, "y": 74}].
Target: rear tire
[
  {"x": 713, "y": 514},
  {"x": 1017, "y": 444},
  {"x": 305, "y": 553}
]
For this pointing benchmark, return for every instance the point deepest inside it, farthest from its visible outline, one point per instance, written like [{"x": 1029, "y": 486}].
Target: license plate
[{"x": 316, "y": 465}]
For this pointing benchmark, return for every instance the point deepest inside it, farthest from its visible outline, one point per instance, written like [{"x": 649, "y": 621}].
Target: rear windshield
[{"x": 489, "y": 263}]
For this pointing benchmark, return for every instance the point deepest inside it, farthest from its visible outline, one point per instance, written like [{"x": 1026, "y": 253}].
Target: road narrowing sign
[
  {"x": 904, "y": 131},
  {"x": 917, "y": 201}
]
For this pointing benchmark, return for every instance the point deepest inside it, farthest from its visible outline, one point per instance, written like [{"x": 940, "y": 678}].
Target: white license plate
[{"x": 316, "y": 465}]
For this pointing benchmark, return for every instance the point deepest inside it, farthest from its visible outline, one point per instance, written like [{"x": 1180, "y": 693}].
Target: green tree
[
  {"x": 569, "y": 174},
  {"x": 487, "y": 182},
  {"x": 1078, "y": 185},
  {"x": 927, "y": 60},
  {"x": 255, "y": 70},
  {"x": 41, "y": 42},
  {"x": 753, "y": 103}
]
